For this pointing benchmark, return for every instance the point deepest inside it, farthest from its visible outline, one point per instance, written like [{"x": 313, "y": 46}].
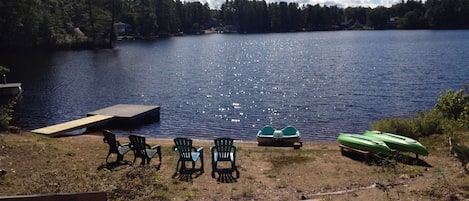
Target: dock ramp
[{"x": 74, "y": 125}]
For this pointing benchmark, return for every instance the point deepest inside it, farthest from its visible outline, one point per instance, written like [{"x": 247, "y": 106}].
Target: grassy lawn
[{"x": 38, "y": 164}]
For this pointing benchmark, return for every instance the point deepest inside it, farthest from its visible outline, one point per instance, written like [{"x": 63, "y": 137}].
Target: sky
[{"x": 340, "y": 3}]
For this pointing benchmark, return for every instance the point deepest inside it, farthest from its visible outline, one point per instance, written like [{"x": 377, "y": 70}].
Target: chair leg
[
  {"x": 108, "y": 156},
  {"x": 177, "y": 165},
  {"x": 159, "y": 153},
  {"x": 148, "y": 161},
  {"x": 119, "y": 158},
  {"x": 202, "y": 161},
  {"x": 214, "y": 168},
  {"x": 144, "y": 161}
]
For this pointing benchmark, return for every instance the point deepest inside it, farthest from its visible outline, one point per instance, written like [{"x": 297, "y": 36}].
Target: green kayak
[
  {"x": 365, "y": 143},
  {"x": 398, "y": 142}
]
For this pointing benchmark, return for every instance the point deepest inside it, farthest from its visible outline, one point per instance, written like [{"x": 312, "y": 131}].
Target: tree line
[{"x": 90, "y": 23}]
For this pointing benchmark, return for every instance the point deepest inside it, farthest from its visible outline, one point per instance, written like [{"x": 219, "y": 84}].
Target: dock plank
[
  {"x": 125, "y": 110},
  {"x": 73, "y": 125},
  {"x": 10, "y": 89}
]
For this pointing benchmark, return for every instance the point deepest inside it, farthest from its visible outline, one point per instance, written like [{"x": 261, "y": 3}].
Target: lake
[{"x": 232, "y": 85}]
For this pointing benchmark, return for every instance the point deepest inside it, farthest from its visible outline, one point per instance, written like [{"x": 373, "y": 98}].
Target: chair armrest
[
  {"x": 126, "y": 144},
  {"x": 213, "y": 149},
  {"x": 200, "y": 149},
  {"x": 156, "y": 146}
]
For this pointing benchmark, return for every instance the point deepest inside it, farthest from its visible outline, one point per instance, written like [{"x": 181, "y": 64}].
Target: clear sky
[{"x": 340, "y": 3}]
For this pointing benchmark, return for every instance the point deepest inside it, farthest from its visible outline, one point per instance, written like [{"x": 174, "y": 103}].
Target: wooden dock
[
  {"x": 122, "y": 114},
  {"x": 9, "y": 89}
]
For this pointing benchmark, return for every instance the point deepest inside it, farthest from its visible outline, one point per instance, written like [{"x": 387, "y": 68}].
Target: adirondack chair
[
  {"x": 115, "y": 147},
  {"x": 224, "y": 150},
  {"x": 188, "y": 153},
  {"x": 142, "y": 150}
]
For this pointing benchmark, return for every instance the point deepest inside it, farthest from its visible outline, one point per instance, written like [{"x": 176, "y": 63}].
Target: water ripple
[{"x": 322, "y": 83}]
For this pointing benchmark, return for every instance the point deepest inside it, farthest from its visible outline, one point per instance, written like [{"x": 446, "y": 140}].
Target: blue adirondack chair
[{"x": 224, "y": 150}]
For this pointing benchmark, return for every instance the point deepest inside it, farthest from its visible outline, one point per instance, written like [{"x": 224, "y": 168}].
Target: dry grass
[{"x": 37, "y": 164}]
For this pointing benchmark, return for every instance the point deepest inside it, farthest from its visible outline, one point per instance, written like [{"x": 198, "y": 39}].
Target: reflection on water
[{"x": 232, "y": 85}]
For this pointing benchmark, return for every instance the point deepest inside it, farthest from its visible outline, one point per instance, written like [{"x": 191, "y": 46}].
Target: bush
[
  {"x": 396, "y": 125},
  {"x": 452, "y": 104},
  {"x": 5, "y": 117},
  {"x": 423, "y": 124},
  {"x": 450, "y": 114}
]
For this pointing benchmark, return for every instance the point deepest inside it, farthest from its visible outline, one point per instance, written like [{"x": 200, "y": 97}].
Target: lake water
[{"x": 215, "y": 85}]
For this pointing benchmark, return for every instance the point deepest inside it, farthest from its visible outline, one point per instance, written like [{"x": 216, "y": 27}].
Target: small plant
[{"x": 3, "y": 71}]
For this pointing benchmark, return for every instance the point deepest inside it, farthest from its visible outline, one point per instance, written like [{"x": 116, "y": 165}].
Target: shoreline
[{"x": 98, "y": 134}]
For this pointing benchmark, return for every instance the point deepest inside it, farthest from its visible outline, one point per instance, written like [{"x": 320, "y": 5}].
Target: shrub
[
  {"x": 450, "y": 114},
  {"x": 427, "y": 123},
  {"x": 5, "y": 117},
  {"x": 453, "y": 105},
  {"x": 423, "y": 124},
  {"x": 4, "y": 70}
]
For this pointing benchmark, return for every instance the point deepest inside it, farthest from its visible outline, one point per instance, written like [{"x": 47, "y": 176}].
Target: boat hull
[
  {"x": 364, "y": 143},
  {"x": 270, "y": 141},
  {"x": 398, "y": 142}
]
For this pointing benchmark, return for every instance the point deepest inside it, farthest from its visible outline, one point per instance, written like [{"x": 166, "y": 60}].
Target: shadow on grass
[
  {"x": 401, "y": 158},
  {"x": 115, "y": 165},
  {"x": 226, "y": 175},
  {"x": 370, "y": 159},
  {"x": 380, "y": 161},
  {"x": 187, "y": 174}
]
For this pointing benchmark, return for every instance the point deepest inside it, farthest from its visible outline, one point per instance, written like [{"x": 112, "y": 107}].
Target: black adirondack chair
[
  {"x": 224, "y": 150},
  {"x": 188, "y": 153},
  {"x": 115, "y": 147},
  {"x": 142, "y": 150}
]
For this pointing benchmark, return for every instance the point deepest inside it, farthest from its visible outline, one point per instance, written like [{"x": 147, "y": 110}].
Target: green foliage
[
  {"x": 451, "y": 105},
  {"x": 4, "y": 70},
  {"x": 402, "y": 126},
  {"x": 89, "y": 23},
  {"x": 450, "y": 114},
  {"x": 454, "y": 106},
  {"x": 5, "y": 117},
  {"x": 422, "y": 125}
]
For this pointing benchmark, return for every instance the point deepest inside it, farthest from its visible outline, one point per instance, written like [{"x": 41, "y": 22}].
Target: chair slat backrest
[
  {"x": 224, "y": 147},
  {"x": 138, "y": 145},
  {"x": 110, "y": 139},
  {"x": 184, "y": 147}
]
